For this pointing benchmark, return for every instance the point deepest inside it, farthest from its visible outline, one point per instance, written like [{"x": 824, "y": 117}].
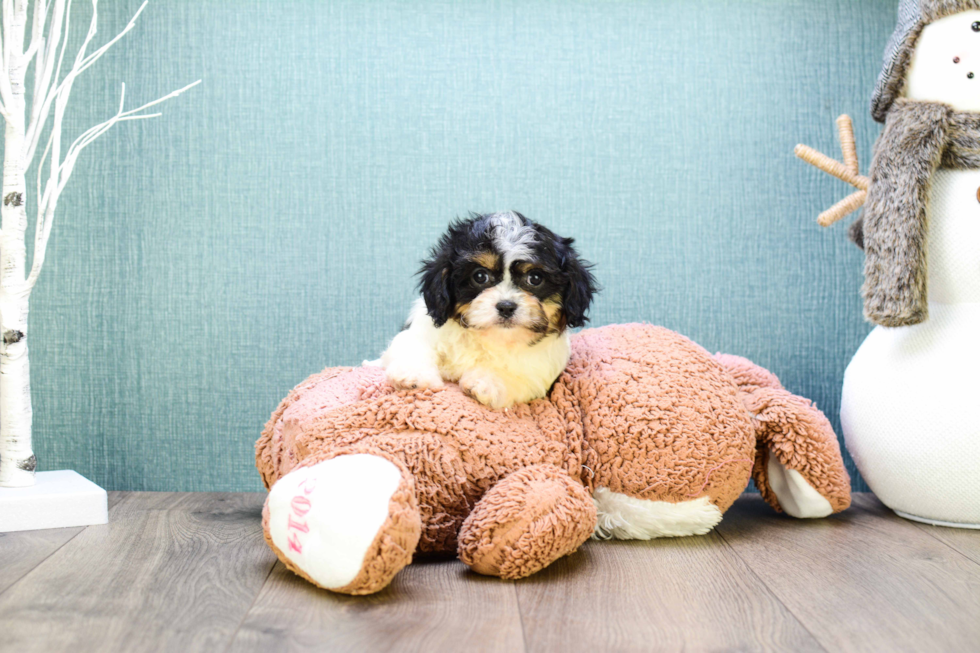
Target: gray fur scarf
[{"x": 918, "y": 139}]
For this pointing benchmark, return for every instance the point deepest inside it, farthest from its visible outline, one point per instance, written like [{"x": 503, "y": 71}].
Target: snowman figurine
[{"x": 910, "y": 406}]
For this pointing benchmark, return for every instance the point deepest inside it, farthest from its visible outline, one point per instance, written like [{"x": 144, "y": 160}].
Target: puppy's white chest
[{"x": 504, "y": 361}]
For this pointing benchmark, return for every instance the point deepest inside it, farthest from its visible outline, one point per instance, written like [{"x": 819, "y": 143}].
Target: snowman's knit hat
[{"x": 913, "y": 16}]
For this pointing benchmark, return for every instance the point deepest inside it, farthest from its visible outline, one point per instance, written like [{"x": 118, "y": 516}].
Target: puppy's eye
[
  {"x": 976, "y": 26},
  {"x": 481, "y": 277},
  {"x": 535, "y": 278}
]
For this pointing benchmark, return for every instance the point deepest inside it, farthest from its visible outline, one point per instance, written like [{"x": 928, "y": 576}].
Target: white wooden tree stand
[
  {"x": 64, "y": 498},
  {"x": 56, "y": 500}
]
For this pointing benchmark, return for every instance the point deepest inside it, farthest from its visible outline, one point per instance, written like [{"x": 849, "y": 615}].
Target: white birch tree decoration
[{"x": 27, "y": 124}]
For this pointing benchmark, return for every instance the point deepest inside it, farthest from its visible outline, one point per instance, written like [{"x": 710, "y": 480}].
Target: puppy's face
[{"x": 503, "y": 271}]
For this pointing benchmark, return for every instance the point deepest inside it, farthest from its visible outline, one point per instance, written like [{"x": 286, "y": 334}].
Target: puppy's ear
[
  {"x": 435, "y": 282},
  {"x": 582, "y": 285}
]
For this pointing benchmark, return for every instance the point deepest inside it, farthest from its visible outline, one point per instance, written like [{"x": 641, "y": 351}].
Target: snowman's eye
[{"x": 976, "y": 26}]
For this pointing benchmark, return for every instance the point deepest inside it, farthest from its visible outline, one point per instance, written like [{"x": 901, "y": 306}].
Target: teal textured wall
[{"x": 269, "y": 223}]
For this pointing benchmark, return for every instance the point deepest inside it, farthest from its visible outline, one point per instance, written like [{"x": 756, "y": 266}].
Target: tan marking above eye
[{"x": 488, "y": 260}]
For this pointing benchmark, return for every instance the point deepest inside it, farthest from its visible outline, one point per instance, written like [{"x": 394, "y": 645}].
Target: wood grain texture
[
  {"x": 177, "y": 579},
  {"x": 665, "y": 595},
  {"x": 435, "y": 605},
  {"x": 21, "y": 552},
  {"x": 963, "y": 540},
  {"x": 214, "y": 502},
  {"x": 863, "y": 580},
  {"x": 190, "y": 572}
]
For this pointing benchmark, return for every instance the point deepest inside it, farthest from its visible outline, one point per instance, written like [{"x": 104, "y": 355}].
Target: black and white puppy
[{"x": 499, "y": 293}]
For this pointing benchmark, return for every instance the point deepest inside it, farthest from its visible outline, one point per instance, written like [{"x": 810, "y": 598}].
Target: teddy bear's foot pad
[
  {"x": 796, "y": 496},
  {"x": 348, "y": 524}
]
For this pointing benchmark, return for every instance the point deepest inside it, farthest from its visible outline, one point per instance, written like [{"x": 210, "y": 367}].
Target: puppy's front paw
[
  {"x": 404, "y": 377},
  {"x": 485, "y": 388}
]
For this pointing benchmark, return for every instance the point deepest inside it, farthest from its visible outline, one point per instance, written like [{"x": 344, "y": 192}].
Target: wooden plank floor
[{"x": 190, "y": 572}]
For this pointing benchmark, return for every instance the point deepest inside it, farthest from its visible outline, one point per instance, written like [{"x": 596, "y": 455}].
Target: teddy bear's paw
[
  {"x": 486, "y": 388},
  {"x": 525, "y": 522},
  {"x": 347, "y": 524},
  {"x": 408, "y": 377}
]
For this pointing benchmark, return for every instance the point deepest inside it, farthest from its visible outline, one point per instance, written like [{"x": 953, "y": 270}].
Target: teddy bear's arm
[{"x": 525, "y": 522}]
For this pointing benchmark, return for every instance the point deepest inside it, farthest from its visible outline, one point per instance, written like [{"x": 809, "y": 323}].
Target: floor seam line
[
  {"x": 925, "y": 528},
  {"x": 771, "y": 591},
  {"x": 45, "y": 559},
  {"x": 520, "y": 615},
  {"x": 892, "y": 516},
  {"x": 238, "y": 628}
]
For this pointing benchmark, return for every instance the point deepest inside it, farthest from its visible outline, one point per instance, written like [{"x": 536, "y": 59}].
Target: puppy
[{"x": 499, "y": 293}]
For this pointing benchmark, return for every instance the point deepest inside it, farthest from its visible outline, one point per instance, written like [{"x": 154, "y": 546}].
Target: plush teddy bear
[{"x": 644, "y": 435}]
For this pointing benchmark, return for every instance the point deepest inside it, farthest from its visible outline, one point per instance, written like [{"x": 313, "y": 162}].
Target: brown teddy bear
[{"x": 644, "y": 435}]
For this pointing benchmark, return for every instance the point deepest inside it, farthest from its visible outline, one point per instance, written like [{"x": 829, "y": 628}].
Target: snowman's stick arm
[
  {"x": 848, "y": 146},
  {"x": 847, "y": 171},
  {"x": 831, "y": 167},
  {"x": 843, "y": 208}
]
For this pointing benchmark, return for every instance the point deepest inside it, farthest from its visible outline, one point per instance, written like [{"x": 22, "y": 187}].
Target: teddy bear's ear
[
  {"x": 435, "y": 282},
  {"x": 582, "y": 285}
]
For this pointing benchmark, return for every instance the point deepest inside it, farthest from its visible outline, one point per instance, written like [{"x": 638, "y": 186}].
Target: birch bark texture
[{"x": 42, "y": 63}]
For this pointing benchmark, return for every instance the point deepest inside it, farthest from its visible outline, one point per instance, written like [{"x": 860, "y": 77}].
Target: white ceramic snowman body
[{"x": 910, "y": 408}]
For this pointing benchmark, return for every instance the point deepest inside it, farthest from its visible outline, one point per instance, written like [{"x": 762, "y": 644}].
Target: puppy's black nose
[{"x": 506, "y": 308}]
